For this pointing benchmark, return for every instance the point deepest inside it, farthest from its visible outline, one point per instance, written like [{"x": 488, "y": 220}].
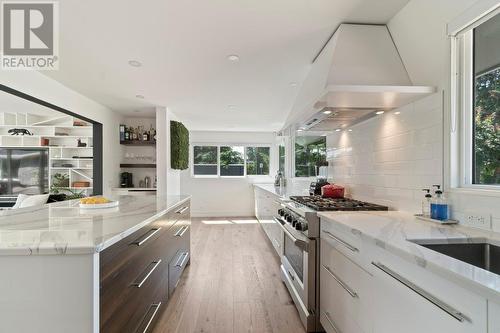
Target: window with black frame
[{"x": 486, "y": 103}]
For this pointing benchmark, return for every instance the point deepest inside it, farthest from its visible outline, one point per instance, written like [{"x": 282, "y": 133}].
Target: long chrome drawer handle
[
  {"x": 349, "y": 246},
  {"x": 140, "y": 283},
  {"x": 156, "y": 307},
  {"x": 181, "y": 231},
  {"x": 146, "y": 236},
  {"x": 431, "y": 298},
  {"x": 182, "y": 210},
  {"x": 300, "y": 243},
  {"x": 341, "y": 283},
  {"x": 330, "y": 321},
  {"x": 182, "y": 259}
]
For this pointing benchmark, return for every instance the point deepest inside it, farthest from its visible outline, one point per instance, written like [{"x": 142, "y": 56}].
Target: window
[
  {"x": 310, "y": 153},
  {"x": 486, "y": 103},
  {"x": 205, "y": 160},
  {"x": 257, "y": 160},
  {"x": 232, "y": 161},
  {"x": 281, "y": 162}
]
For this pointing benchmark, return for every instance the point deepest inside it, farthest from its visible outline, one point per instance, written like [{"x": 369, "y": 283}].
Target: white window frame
[
  {"x": 461, "y": 116},
  {"x": 191, "y": 159},
  {"x": 219, "y": 145}
]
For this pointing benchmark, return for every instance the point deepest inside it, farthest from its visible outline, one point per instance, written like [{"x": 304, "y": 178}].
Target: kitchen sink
[{"x": 483, "y": 255}]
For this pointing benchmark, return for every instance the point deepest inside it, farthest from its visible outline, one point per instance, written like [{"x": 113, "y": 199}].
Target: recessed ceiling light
[
  {"x": 379, "y": 112},
  {"x": 139, "y": 96},
  {"x": 233, "y": 57},
  {"x": 293, "y": 84},
  {"x": 397, "y": 112},
  {"x": 350, "y": 130},
  {"x": 300, "y": 130},
  {"x": 231, "y": 106},
  {"x": 337, "y": 130},
  {"x": 327, "y": 112},
  {"x": 134, "y": 63}
]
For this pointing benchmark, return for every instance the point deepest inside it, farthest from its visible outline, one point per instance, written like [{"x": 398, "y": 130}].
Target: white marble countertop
[
  {"x": 393, "y": 230},
  {"x": 64, "y": 228},
  {"x": 285, "y": 192}
]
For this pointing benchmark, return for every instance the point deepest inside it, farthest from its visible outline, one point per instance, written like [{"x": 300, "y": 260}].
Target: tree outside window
[
  {"x": 205, "y": 160},
  {"x": 486, "y": 116},
  {"x": 232, "y": 161},
  {"x": 257, "y": 160},
  {"x": 310, "y": 153}
]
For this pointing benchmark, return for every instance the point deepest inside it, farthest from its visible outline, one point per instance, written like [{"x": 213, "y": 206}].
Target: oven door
[{"x": 298, "y": 271}]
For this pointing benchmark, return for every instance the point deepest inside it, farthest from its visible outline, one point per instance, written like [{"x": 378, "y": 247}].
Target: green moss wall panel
[{"x": 179, "y": 146}]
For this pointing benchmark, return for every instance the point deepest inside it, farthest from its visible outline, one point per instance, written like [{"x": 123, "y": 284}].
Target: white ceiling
[{"x": 183, "y": 47}]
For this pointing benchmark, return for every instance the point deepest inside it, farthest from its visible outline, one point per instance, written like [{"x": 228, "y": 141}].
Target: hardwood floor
[{"x": 232, "y": 285}]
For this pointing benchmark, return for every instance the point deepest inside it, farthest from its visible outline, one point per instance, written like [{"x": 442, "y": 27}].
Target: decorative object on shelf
[
  {"x": 60, "y": 180},
  {"x": 79, "y": 123},
  {"x": 179, "y": 145},
  {"x": 137, "y": 134},
  {"x": 79, "y": 143},
  {"x": 19, "y": 131},
  {"x": 44, "y": 142},
  {"x": 81, "y": 183},
  {"x": 67, "y": 165}
]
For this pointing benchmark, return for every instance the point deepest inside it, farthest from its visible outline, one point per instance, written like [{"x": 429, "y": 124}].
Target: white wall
[
  {"x": 225, "y": 196},
  {"x": 419, "y": 31},
  {"x": 390, "y": 158},
  {"x": 36, "y": 84},
  {"x": 169, "y": 180}
]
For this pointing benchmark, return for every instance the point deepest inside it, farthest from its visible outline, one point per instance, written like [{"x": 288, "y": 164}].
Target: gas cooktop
[{"x": 319, "y": 203}]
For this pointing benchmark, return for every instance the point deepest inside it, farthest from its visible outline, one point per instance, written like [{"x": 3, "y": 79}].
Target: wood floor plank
[{"x": 232, "y": 285}]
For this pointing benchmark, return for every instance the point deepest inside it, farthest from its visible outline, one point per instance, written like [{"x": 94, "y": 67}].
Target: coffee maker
[{"x": 126, "y": 179}]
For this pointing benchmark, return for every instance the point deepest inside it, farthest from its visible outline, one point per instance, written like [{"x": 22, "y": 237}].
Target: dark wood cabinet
[{"x": 138, "y": 273}]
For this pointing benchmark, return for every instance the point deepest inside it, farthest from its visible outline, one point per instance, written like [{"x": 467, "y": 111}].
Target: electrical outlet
[{"x": 478, "y": 220}]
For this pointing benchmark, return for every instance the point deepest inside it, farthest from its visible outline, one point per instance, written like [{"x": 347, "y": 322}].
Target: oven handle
[{"x": 298, "y": 242}]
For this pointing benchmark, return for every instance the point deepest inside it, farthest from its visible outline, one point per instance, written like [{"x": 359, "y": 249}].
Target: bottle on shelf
[
  {"x": 127, "y": 133},
  {"x": 439, "y": 205},
  {"x": 145, "y": 136},
  {"x": 134, "y": 134},
  {"x": 426, "y": 203}
]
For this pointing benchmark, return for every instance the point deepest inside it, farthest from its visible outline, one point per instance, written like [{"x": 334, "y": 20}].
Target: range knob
[
  {"x": 281, "y": 211},
  {"x": 289, "y": 218},
  {"x": 295, "y": 222},
  {"x": 301, "y": 226}
]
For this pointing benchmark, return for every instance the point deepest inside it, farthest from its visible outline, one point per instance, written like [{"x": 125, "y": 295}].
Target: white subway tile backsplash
[{"x": 390, "y": 158}]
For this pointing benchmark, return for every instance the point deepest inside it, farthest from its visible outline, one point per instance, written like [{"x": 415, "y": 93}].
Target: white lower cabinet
[
  {"x": 394, "y": 296},
  {"x": 402, "y": 306},
  {"x": 346, "y": 293},
  {"x": 493, "y": 317},
  {"x": 266, "y": 207}
]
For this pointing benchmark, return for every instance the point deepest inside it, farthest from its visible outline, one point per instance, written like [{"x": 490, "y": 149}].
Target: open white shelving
[{"x": 65, "y": 157}]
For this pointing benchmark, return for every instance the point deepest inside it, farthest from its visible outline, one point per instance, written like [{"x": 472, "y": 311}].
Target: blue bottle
[{"x": 439, "y": 206}]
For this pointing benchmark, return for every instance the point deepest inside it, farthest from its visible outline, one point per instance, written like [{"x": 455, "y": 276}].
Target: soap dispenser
[
  {"x": 426, "y": 203},
  {"x": 439, "y": 206}
]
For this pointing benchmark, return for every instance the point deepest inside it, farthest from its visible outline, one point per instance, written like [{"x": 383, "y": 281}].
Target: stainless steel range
[{"x": 300, "y": 261}]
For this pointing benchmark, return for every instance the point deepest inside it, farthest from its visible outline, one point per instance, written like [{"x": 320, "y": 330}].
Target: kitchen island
[{"x": 66, "y": 269}]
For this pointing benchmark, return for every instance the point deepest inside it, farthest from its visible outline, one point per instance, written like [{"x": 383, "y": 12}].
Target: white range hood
[{"x": 358, "y": 72}]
